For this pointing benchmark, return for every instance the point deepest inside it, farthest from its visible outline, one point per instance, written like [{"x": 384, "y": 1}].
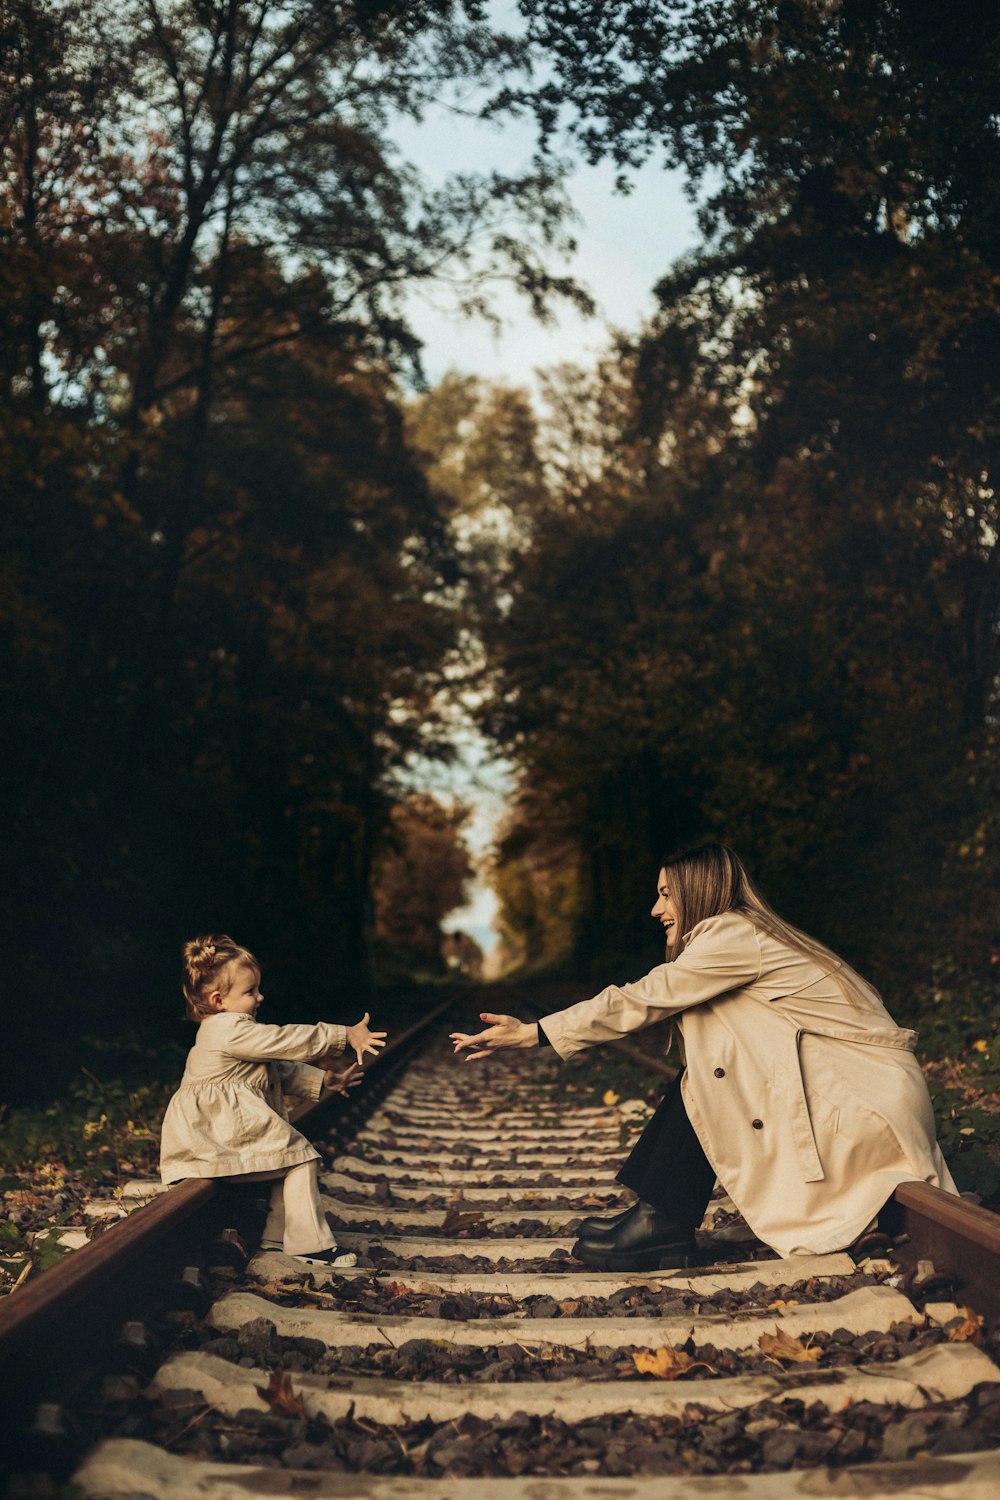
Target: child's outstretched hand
[
  {"x": 361, "y": 1040},
  {"x": 339, "y": 1080}
]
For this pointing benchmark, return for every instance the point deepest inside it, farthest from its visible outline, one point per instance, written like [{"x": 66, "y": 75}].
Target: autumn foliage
[
  {"x": 760, "y": 599},
  {"x": 227, "y": 581}
]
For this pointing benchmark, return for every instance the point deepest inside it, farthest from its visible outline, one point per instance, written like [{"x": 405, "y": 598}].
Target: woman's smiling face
[{"x": 665, "y": 911}]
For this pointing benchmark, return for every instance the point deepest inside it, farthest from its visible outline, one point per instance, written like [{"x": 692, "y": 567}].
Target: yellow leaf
[
  {"x": 792, "y": 1302},
  {"x": 610, "y": 1097},
  {"x": 781, "y": 1345},
  {"x": 970, "y": 1331},
  {"x": 667, "y": 1363}
]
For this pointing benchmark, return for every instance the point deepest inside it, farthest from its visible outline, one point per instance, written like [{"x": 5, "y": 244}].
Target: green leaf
[{"x": 977, "y": 1171}]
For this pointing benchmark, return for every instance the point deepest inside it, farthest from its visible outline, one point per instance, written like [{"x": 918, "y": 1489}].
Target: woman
[{"x": 799, "y": 1091}]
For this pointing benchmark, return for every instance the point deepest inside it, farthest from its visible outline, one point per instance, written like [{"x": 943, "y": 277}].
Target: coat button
[
  {"x": 757, "y": 1124},
  {"x": 720, "y": 1072}
]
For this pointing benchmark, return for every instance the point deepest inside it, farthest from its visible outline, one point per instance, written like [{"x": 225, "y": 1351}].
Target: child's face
[{"x": 243, "y": 996}]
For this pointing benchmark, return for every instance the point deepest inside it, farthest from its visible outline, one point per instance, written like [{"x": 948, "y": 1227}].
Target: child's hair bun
[
  {"x": 204, "y": 960},
  {"x": 200, "y": 953}
]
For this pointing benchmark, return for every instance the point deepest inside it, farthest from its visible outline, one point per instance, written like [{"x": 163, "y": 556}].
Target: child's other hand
[
  {"x": 361, "y": 1040},
  {"x": 339, "y": 1080}
]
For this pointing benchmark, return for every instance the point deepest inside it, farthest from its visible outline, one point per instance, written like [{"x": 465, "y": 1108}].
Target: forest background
[{"x": 739, "y": 578}]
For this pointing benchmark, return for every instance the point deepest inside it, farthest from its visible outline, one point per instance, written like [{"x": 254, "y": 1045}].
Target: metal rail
[
  {"x": 58, "y": 1327},
  {"x": 443, "y": 1138},
  {"x": 960, "y": 1238}
]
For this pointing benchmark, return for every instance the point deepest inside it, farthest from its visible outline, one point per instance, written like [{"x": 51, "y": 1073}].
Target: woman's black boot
[
  {"x": 647, "y": 1239},
  {"x": 597, "y": 1227}
]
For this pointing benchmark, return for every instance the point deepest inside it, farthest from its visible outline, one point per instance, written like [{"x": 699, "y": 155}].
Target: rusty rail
[
  {"x": 960, "y": 1238},
  {"x": 55, "y": 1328}
]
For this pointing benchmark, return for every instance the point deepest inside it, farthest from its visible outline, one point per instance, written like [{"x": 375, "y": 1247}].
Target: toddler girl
[{"x": 228, "y": 1117}]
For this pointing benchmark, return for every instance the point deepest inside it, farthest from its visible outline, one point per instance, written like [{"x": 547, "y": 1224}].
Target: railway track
[{"x": 468, "y": 1347}]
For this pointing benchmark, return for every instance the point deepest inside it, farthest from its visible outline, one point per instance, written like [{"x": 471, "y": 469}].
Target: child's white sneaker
[{"x": 334, "y": 1259}]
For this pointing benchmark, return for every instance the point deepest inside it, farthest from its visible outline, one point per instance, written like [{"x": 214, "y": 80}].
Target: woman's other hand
[
  {"x": 339, "y": 1080},
  {"x": 504, "y": 1031},
  {"x": 361, "y": 1040}
]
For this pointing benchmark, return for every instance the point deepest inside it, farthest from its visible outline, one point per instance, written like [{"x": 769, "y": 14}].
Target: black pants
[{"x": 667, "y": 1166}]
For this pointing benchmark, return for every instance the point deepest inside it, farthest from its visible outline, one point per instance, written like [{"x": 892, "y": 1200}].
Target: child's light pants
[{"x": 296, "y": 1222}]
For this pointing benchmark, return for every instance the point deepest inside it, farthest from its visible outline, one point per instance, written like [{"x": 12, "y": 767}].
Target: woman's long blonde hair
[{"x": 708, "y": 879}]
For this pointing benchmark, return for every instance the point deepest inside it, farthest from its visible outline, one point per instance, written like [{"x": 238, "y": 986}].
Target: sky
[{"x": 624, "y": 245}]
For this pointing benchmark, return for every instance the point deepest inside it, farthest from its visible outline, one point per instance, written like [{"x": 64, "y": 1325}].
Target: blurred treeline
[
  {"x": 229, "y": 592},
  {"x": 740, "y": 580},
  {"x": 753, "y": 580}
]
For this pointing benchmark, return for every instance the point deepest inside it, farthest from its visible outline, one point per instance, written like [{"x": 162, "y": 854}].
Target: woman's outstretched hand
[
  {"x": 361, "y": 1040},
  {"x": 504, "y": 1031}
]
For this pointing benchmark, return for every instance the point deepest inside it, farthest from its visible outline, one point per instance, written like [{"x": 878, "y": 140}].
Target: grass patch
[{"x": 958, "y": 1044}]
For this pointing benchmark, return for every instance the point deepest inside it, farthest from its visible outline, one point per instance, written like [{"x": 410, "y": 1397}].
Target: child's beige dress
[{"x": 228, "y": 1117}]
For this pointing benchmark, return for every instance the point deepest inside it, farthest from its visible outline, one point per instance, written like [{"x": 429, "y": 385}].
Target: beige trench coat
[
  {"x": 228, "y": 1116},
  {"x": 810, "y": 1109}
]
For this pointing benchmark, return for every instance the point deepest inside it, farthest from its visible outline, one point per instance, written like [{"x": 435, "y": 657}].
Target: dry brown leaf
[
  {"x": 280, "y": 1397},
  {"x": 970, "y": 1331},
  {"x": 462, "y": 1221},
  {"x": 569, "y": 1308},
  {"x": 781, "y": 1345},
  {"x": 667, "y": 1363}
]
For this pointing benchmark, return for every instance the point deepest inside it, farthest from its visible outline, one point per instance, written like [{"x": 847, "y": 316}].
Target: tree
[
  {"x": 536, "y": 877},
  {"x": 422, "y": 876},
  {"x": 229, "y": 597},
  {"x": 845, "y": 295},
  {"x": 786, "y": 615}
]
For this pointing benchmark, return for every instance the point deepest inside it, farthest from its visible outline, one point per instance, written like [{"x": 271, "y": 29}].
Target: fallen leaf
[
  {"x": 610, "y": 1097},
  {"x": 25, "y": 1272},
  {"x": 280, "y": 1397},
  {"x": 792, "y": 1302},
  {"x": 970, "y": 1331},
  {"x": 569, "y": 1308},
  {"x": 781, "y": 1345},
  {"x": 23, "y": 1198},
  {"x": 667, "y": 1363},
  {"x": 462, "y": 1221}
]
